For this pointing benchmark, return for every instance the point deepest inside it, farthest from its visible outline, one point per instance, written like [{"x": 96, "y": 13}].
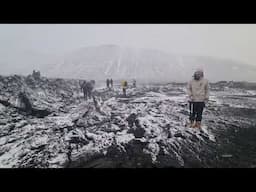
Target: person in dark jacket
[
  {"x": 89, "y": 87},
  {"x": 134, "y": 83},
  {"x": 111, "y": 83},
  {"x": 84, "y": 89},
  {"x": 81, "y": 84},
  {"x": 107, "y": 82}
]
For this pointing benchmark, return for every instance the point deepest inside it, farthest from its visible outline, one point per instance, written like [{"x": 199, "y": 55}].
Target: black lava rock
[
  {"x": 179, "y": 135},
  {"x": 137, "y": 132},
  {"x": 131, "y": 119}
]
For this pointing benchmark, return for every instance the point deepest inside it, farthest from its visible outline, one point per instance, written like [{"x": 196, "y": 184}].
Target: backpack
[
  {"x": 124, "y": 83},
  {"x": 89, "y": 86}
]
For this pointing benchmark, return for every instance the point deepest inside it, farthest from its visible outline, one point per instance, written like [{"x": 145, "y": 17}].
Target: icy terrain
[{"x": 145, "y": 129}]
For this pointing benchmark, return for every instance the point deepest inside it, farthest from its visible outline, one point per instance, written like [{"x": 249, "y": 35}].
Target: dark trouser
[
  {"x": 89, "y": 93},
  {"x": 124, "y": 91},
  {"x": 196, "y": 110}
]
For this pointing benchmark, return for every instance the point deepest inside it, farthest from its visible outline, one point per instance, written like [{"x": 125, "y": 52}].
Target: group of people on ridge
[
  {"x": 198, "y": 93},
  {"x": 88, "y": 86},
  {"x": 109, "y": 83},
  {"x": 124, "y": 85}
]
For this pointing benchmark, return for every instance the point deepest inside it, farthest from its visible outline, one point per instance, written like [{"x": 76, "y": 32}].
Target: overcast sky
[{"x": 237, "y": 42}]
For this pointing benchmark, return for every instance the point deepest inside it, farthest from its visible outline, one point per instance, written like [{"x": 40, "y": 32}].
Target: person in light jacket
[{"x": 198, "y": 92}]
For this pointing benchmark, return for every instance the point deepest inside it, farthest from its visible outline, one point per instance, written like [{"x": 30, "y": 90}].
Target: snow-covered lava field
[{"x": 146, "y": 129}]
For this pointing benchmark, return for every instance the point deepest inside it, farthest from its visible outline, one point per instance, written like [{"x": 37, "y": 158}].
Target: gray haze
[{"x": 24, "y": 45}]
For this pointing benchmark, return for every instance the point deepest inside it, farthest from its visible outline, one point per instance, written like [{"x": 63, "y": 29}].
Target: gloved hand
[{"x": 206, "y": 102}]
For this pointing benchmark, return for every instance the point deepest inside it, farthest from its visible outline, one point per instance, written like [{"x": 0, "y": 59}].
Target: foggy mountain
[
  {"x": 101, "y": 62},
  {"x": 145, "y": 64}
]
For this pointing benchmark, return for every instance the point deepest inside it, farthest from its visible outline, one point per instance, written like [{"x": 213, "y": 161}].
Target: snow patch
[
  {"x": 124, "y": 137},
  {"x": 152, "y": 149}
]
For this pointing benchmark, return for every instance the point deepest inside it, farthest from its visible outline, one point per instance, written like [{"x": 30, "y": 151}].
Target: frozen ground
[{"x": 145, "y": 129}]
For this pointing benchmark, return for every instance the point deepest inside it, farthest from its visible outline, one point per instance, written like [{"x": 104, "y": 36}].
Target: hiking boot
[
  {"x": 192, "y": 124},
  {"x": 198, "y": 125}
]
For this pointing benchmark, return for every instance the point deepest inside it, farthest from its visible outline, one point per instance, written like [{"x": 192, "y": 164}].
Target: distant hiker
[
  {"x": 134, "y": 83},
  {"x": 124, "y": 87},
  {"x": 84, "y": 89},
  {"x": 81, "y": 84},
  {"x": 198, "y": 92},
  {"x": 111, "y": 83},
  {"x": 108, "y": 82},
  {"x": 88, "y": 88}
]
